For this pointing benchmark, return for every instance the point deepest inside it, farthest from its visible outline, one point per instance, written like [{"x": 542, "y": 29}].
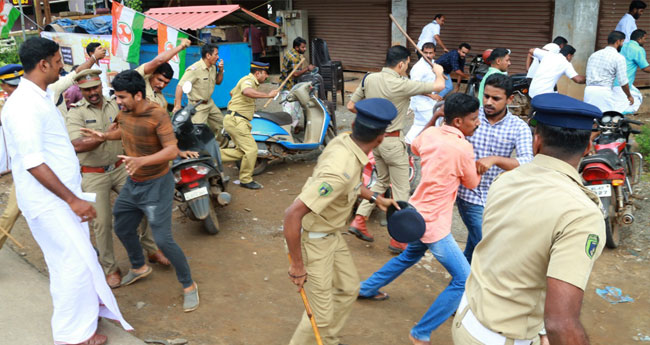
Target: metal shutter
[
  {"x": 611, "y": 12},
  {"x": 357, "y": 32},
  {"x": 484, "y": 24}
]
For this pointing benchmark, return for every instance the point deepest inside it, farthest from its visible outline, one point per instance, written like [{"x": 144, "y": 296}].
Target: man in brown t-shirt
[{"x": 149, "y": 142}]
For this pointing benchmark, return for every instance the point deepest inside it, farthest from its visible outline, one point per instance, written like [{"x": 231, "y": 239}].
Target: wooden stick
[
  {"x": 6, "y": 233},
  {"x": 399, "y": 27},
  {"x": 295, "y": 68},
  {"x": 308, "y": 307}
]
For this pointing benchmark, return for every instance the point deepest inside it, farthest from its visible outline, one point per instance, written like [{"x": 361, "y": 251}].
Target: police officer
[
  {"x": 102, "y": 171},
  {"x": 157, "y": 73},
  {"x": 237, "y": 122},
  {"x": 9, "y": 79},
  {"x": 391, "y": 156},
  {"x": 204, "y": 75},
  {"x": 543, "y": 231},
  {"x": 320, "y": 259}
]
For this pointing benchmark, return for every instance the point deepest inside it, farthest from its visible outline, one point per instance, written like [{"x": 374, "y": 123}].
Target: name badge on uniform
[{"x": 91, "y": 121}]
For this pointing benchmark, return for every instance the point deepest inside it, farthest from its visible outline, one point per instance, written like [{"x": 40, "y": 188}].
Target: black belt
[{"x": 234, "y": 113}]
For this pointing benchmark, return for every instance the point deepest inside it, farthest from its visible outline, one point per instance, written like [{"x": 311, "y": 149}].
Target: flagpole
[
  {"x": 163, "y": 23},
  {"x": 22, "y": 19}
]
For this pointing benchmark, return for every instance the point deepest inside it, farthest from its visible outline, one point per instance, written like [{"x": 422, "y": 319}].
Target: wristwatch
[{"x": 373, "y": 198}]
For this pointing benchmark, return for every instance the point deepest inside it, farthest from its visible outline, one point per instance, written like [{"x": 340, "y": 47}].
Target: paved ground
[{"x": 26, "y": 306}]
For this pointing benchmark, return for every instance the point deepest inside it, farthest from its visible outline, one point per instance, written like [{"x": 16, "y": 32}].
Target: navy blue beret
[
  {"x": 405, "y": 225},
  {"x": 558, "y": 110},
  {"x": 375, "y": 113}
]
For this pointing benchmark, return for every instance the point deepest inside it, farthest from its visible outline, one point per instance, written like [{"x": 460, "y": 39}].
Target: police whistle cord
[
  {"x": 295, "y": 68},
  {"x": 408, "y": 38},
  {"x": 310, "y": 315}
]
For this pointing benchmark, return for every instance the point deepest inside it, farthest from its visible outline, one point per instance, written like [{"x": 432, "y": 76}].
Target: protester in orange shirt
[{"x": 447, "y": 161}]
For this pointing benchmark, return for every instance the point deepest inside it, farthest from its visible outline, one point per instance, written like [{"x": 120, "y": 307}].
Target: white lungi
[
  {"x": 420, "y": 119},
  {"x": 601, "y": 97},
  {"x": 620, "y": 98},
  {"x": 77, "y": 284}
]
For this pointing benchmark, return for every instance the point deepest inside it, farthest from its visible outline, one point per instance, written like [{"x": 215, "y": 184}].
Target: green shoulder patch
[
  {"x": 591, "y": 245},
  {"x": 325, "y": 189}
]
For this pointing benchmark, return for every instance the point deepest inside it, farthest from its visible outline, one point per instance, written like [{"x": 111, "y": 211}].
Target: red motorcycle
[{"x": 612, "y": 170}]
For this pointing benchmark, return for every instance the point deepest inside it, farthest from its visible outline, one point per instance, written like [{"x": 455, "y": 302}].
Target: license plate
[
  {"x": 193, "y": 194},
  {"x": 602, "y": 190}
]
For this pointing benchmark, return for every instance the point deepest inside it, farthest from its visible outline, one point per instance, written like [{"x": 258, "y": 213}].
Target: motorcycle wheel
[
  {"x": 211, "y": 223},
  {"x": 612, "y": 230},
  {"x": 260, "y": 166},
  {"x": 414, "y": 174}
]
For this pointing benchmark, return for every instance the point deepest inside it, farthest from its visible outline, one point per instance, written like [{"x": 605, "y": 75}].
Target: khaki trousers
[
  {"x": 332, "y": 287},
  {"x": 461, "y": 336},
  {"x": 209, "y": 113},
  {"x": 102, "y": 184},
  {"x": 392, "y": 162},
  {"x": 245, "y": 149},
  {"x": 9, "y": 216}
]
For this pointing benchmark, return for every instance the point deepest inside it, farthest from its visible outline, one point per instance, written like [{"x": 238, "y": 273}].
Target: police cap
[
  {"x": 260, "y": 65},
  {"x": 88, "y": 78},
  {"x": 11, "y": 74},
  {"x": 558, "y": 110},
  {"x": 375, "y": 113}
]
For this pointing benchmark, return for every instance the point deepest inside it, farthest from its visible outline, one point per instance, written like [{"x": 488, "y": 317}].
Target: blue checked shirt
[{"x": 500, "y": 139}]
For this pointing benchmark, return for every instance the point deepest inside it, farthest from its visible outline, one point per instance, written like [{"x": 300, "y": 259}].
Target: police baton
[
  {"x": 408, "y": 38},
  {"x": 295, "y": 68},
  {"x": 310, "y": 315}
]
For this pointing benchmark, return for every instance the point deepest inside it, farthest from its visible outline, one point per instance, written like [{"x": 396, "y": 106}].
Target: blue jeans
[
  {"x": 449, "y": 255},
  {"x": 472, "y": 216},
  {"x": 449, "y": 86}
]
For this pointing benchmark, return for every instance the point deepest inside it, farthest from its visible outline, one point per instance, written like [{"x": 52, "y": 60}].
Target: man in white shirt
[
  {"x": 627, "y": 24},
  {"x": 603, "y": 67},
  {"x": 554, "y": 47},
  {"x": 551, "y": 68},
  {"x": 431, "y": 33},
  {"x": 48, "y": 188},
  {"x": 422, "y": 105}
]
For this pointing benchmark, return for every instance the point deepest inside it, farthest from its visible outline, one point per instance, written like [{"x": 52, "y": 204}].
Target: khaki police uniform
[
  {"x": 154, "y": 97},
  {"x": 391, "y": 157},
  {"x": 521, "y": 247},
  {"x": 237, "y": 124},
  {"x": 11, "y": 211},
  {"x": 203, "y": 79},
  {"x": 102, "y": 172},
  {"x": 333, "y": 283}
]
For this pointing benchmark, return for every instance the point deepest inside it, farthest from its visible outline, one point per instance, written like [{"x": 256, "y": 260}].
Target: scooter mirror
[{"x": 187, "y": 87}]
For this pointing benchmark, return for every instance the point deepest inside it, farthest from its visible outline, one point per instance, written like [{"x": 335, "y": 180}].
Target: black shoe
[{"x": 251, "y": 185}]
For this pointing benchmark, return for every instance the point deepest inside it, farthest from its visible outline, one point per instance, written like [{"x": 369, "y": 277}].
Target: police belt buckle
[
  {"x": 112, "y": 167},
  {"x": 476, "y": 329}
]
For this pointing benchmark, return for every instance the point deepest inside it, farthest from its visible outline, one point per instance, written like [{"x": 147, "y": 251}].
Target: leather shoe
[
  {"x": 159, "y": 257},
  {"x": 396, "y": 247},
  {"x": 96, "y": 339},
  {"x": 251, "y": 185},
  {"x": 114, "y": 280},
  {"x": 359, "y": 229}
]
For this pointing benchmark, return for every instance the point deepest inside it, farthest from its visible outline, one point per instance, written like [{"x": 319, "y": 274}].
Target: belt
[
  {"x": 392, "y": 134},
  {"x": 478, "y": 331},
  {"x": 314, "y": 234},
  {"x": 199, "y": 102},
  {"x": 234, "y": 113},
  {"x": 108, "y": 168}
]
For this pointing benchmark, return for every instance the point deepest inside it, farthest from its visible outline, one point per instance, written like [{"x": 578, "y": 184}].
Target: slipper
[
  {"x": 133, "y": 277},
  {"x": 191, "y": 299},
  {"x": 380, "y": 296}
]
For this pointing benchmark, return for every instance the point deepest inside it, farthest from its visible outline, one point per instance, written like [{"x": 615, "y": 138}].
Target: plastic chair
[{"x": 332, "y": 71}]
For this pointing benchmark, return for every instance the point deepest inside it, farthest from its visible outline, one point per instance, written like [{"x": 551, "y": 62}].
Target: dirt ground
[{"x": 246, "y": 297}]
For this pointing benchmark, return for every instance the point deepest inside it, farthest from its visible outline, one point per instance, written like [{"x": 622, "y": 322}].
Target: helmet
[{"x": 486, "y": 54}]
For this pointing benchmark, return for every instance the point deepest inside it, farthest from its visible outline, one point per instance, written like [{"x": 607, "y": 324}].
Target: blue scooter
[{"x": 273, "y": 134}]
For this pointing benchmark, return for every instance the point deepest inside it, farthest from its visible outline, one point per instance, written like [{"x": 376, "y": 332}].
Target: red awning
[{"x": 198, "y": 17}]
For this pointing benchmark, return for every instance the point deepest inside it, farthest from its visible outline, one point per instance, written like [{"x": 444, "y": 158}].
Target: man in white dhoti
[
  {"x": 422, "y": 105},
  {"x": 48, "y": 188},
  {"x": 603, "y": 67}
]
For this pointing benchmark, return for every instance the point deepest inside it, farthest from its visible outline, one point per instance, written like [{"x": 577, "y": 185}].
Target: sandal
[
  {"x": 133, "y": 277},
  {"x": 380, "y": 296}
]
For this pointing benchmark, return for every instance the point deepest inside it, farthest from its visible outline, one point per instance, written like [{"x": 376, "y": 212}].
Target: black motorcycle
[{"x": 199, "y": 181}]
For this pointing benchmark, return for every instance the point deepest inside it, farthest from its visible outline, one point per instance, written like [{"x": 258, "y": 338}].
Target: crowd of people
[{"x": 72, "y": 143}]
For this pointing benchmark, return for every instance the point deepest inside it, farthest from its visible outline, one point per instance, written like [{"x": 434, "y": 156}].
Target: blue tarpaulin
[{"x": 101, "y": 25}]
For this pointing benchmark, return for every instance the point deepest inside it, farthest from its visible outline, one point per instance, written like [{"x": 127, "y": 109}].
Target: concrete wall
[
  {"x": 577, "y": 21},
  {"x": 399, "y": 9}
]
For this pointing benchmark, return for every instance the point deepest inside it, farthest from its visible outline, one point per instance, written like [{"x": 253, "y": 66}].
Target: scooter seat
[
  {"x": 280, "y": 118},
  {"x": 607, "y": 157}
]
